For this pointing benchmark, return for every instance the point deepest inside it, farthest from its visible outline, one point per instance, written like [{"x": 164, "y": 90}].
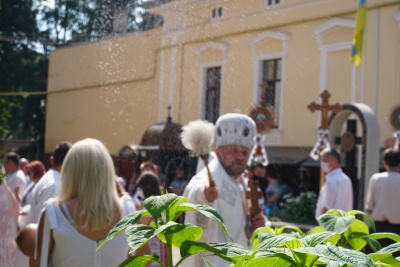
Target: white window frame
[
  {"x": 258, "y": 61},
  {"x": 203, "y": 71}
]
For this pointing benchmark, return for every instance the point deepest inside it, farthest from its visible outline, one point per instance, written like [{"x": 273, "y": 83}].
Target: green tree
[{"x": 23, "y": 70}]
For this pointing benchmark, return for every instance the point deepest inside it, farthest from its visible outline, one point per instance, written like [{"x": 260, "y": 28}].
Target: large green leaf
[
  {"x": 155, "y": 205},
  {"x": 227, "y": 251},
  {"x": 177, "y": 233},
  {"x": 128, "y": 220},
  {"x": 207, "y": 211},
  {"x": 354, "y": 234},
  {"x": 334, "y": 223},
  {"x": 331, "y": 253},
  {"x": 138, "y": 235},
  {"x": 384, "y": 258},
  {"x": 137, "y": 261}
]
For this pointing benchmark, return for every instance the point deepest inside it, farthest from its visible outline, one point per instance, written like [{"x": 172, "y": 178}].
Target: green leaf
[
  {"x": 227, "y": 251},
  {"x": 254, "y": 237},
  {"x": 207, "y": 211},
  {"x": 334, "y": 223},
  {"x": 384, "y": 258},
  {"x": 315, "y": 239},
  {"x": 137, "y": 261},
  {"x": 178, "y": 233},
  {"x": 394, "y": 237},
  {"x": 391, "y": 248},
  {"x": 373, "y": 243},
  {"x": 138, "y": 235},
  {"x": 175, "y": 209},
  {"x": 128, "y": 220},
  {"x": 268, "y": 241},
  {"x": 366, "y": 216},
  {"x": 207, "y": 262},
  {"x": 290, "y": 227},
  {"x": 331, "y": 253},
  {"x": 304, "y": 259},
  {"x": 155, "y": 205},
  {"x": 354, "y": 234},
  {"x": 336, "y": 212},
  {"x": 276, "y": 259}
]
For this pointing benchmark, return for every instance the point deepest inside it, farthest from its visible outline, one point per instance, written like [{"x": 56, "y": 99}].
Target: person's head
[
  {"x": 35, "y": 170},
  {"x": 270, "y": 175},
  {"x": 22, "y": 164},
  {"x": 11, "y": 162},
  {"x": 180, "y": 174},
  {"x": 148, "y": 166},
  {"x": 391, "y": 159},
  {"x": 258, "y": 170},
  {"x": 234, "y": 135},
  {"x": 158, "y": 170},
  {"x": 330, "y": 160},
  {"x": 149, "y": 183},
  {"x": 26, "y": 239},
  {"x": 88, "y": 175},
  {"x": 59, "y": 154}
]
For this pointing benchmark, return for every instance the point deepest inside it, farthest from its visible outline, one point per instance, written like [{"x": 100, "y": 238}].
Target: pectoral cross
[
  {"x": 325, "y": 108},
  {"x": 254, "y": 195}
]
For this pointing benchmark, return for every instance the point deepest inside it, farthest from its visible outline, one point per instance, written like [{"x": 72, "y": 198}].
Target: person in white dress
[
  {"x": 8, "y": 225},
  {"x": 88, "y": 206}
]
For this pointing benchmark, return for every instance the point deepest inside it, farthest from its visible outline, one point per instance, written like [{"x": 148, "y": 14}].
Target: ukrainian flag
[{"x": 356, "y": 49}]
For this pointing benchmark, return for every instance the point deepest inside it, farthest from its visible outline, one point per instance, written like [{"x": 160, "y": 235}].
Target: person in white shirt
[
  {"x": 47, "y": 187},
  {"x": 16, "y": 178},
  {"x": 337, "y": 191},
  {"x": 383, "y": 198}
]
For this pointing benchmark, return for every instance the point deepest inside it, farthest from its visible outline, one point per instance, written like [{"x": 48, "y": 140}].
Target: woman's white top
[{"x": 73, "y": 249}]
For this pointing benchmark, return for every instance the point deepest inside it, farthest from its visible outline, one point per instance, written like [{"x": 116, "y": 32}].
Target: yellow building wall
[{"x": 114, "y": 89}]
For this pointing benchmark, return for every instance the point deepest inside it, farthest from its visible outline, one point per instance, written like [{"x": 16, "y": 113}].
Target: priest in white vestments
[{"x": 234, "y": 135}]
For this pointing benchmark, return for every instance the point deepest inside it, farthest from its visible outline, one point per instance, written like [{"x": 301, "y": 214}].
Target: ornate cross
[
  {"x": 253, "y": 195},
  {"x": 325, "y": 108},
  {"x": 261, "y": 114}
]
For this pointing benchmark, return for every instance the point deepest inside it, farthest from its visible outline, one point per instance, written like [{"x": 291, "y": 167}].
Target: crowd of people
[{"x": 59, "y": 217}]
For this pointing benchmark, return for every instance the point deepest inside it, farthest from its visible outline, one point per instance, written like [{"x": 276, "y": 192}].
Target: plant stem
[{"x": 170, "y": 261}]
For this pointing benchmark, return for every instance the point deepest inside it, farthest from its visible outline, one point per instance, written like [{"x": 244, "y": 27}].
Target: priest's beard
[{"x": 233, "y": 170}]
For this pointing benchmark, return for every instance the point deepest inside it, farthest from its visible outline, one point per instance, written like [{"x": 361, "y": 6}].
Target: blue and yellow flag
[{"x": 356, "y": 49}]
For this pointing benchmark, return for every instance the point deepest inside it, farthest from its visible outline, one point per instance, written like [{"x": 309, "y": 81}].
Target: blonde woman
[{"x": 87, "y": 208}]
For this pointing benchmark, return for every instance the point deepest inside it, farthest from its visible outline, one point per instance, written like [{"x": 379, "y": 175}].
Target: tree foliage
[
  {"x": 29, "y": 29},
  {"x": 22, "y": 69}
]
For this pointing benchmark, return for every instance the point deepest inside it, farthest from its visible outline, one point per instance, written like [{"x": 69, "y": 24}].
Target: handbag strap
[
  {"x": 45, "y": 243},
  {"x": 50, "y": 222}
]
